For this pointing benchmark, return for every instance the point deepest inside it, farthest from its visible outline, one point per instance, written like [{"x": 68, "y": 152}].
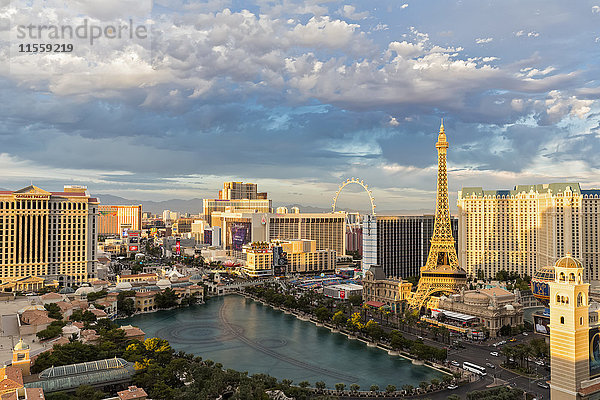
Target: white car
[
  {"x": 452, "y": 387},
  {"x": 525, "y": 333},
  {"x": 540, "y": 363},
  {"x": 455, "y": 363},
  {"x": 494, "y": 353}
]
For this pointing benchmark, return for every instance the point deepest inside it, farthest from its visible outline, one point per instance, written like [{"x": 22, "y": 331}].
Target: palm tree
[
  {"x": 374, "y": 388},
  {"x": 508, "y": 353},
  {"x": 354, "y": 387}
]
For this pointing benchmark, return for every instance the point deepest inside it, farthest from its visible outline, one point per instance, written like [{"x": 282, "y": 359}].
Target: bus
[{"x": 474, "y": 368}]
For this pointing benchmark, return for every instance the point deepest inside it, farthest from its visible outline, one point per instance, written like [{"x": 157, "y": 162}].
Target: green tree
[
  {"x": 88, "y": 316},
  {"x": 356, "y": 300},
  {"x": 322, "y": 314},
  {"x": 374, "y": 330},
  {"x": 166, "y": 299},
  {"x": 92, "y": 297},
  {"x": 53, "y": 310},
  {"x": 89, "y": 393},
  {"x": 320, "y": 385},
  {"x": 339, "y": 318},
  {"x": 53, "y": 330},
  {"x": 355, "y": 387},
  {"x": 304, "y": 384},
  {"x": 453, "y": 397},
  {"x": 390, "y": 388},
  {"x": 340, "y": 386},
  {"x": 374, "y": 388},
  {"x": 407, "y": 388}
]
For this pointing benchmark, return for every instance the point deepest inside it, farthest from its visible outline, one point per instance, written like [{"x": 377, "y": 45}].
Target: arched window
[
  {"x": 571, "y": 277},
  {"x": 580, "y": 300},
  {"x": 557, "y": 298},
  {"x": 562, "y": 320},
  {"x": 562, "y": 277},
  {"x": 580, "y": 320}
]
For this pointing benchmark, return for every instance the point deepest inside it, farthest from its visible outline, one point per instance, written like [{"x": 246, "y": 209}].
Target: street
[{"x": 480, "y": 355}]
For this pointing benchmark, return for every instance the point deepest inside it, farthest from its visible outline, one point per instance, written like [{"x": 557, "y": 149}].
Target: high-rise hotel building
[
  {"x": 237, "y": 197},
  {"x": 52, "y": 235},
  {"x": 527, "y": 228},
  {"x": 399, "y": 243},
  {"x": 326, "y": 229}
]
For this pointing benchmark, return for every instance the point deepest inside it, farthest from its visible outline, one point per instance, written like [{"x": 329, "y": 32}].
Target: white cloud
[
  {"x": 393, "y": 121},
  {"x": 404, "y": 5},
  {"x": 596, "y": 9},
  {"x": 381, "y": 27},
  {"x": 557, "y": 106},
  {"x": 405, "y": 49},
  {"x": 534, "y": 72},
  {"x": 533, "y": 34},
  {"x": 349, "y": 11},
  {"x": 483, "y": 40}
]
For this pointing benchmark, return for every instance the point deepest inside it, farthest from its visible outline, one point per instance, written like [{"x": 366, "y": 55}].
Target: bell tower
[
  {"x": 21, "y": 357},
  {"x": 569, "y": 330}
]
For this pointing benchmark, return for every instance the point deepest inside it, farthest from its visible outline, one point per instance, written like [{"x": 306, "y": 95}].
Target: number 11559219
[{"x": 45, "y": 48}]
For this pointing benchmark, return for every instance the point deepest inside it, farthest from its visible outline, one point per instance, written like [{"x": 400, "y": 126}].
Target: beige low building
[
  {"x": 301, "y": 254},
  {"x": 145, "y": 278},
  {"x": 494, "y": 307},
  {"x": 393, "y": 292}
]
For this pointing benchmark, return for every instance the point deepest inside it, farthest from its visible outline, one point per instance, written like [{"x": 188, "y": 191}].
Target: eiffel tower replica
[{"x": 441, "y": 274}]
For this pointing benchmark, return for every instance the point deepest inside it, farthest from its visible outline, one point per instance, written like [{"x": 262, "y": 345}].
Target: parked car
[
  {"x": 452, "y": 387},
  {"x": 512, "y": 339},
  {"x": 540, "y": 363},
  {"x": 494, "y": 353},
  {"x": 525, "y": 333},
  {"x": 455, "y": 363},
  {"x": 490, "y": 365},
  {"x": 543, "y": 385}
]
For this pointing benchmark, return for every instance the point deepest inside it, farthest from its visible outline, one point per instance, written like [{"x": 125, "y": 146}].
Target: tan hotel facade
[
  {"x": 527, "y": 228},
  {"x": 51, "y": 235},
  {"x": 112, "y": 220}
]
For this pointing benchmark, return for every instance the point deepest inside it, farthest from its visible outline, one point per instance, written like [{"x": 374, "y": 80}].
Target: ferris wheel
[{"x": 355, "y": 181}]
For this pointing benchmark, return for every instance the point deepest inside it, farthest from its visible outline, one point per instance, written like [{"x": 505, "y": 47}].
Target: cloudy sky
[{"x": 300, "y": 95}]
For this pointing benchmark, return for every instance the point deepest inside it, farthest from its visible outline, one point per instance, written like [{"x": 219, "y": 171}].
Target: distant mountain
[{"x": 192, "y": 206}]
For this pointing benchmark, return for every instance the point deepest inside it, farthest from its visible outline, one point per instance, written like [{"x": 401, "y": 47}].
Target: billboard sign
[
  {"x": 594, "y": 352},
  {"x": 177, "y": 247},
  {"x": 240, "y": 235},
  {"x": 541, "y": 323},
  {"x": 342, "y": 294},
  {"x": 133, "y": 248}
]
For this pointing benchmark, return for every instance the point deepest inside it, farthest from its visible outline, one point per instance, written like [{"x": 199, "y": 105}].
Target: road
[{"x": 480, "y": 354}]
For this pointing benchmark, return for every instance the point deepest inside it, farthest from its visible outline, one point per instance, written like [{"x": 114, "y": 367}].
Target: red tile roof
[
  {"x": 12, "y": 378},
  {"x": 133, "y": 392}
]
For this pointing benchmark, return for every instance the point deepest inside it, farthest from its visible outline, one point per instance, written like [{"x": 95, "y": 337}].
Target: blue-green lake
[{"x": 247, "y": 336}]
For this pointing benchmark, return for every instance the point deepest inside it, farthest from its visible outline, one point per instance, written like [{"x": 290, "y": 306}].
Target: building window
[{"x": 562, "y": 320}]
